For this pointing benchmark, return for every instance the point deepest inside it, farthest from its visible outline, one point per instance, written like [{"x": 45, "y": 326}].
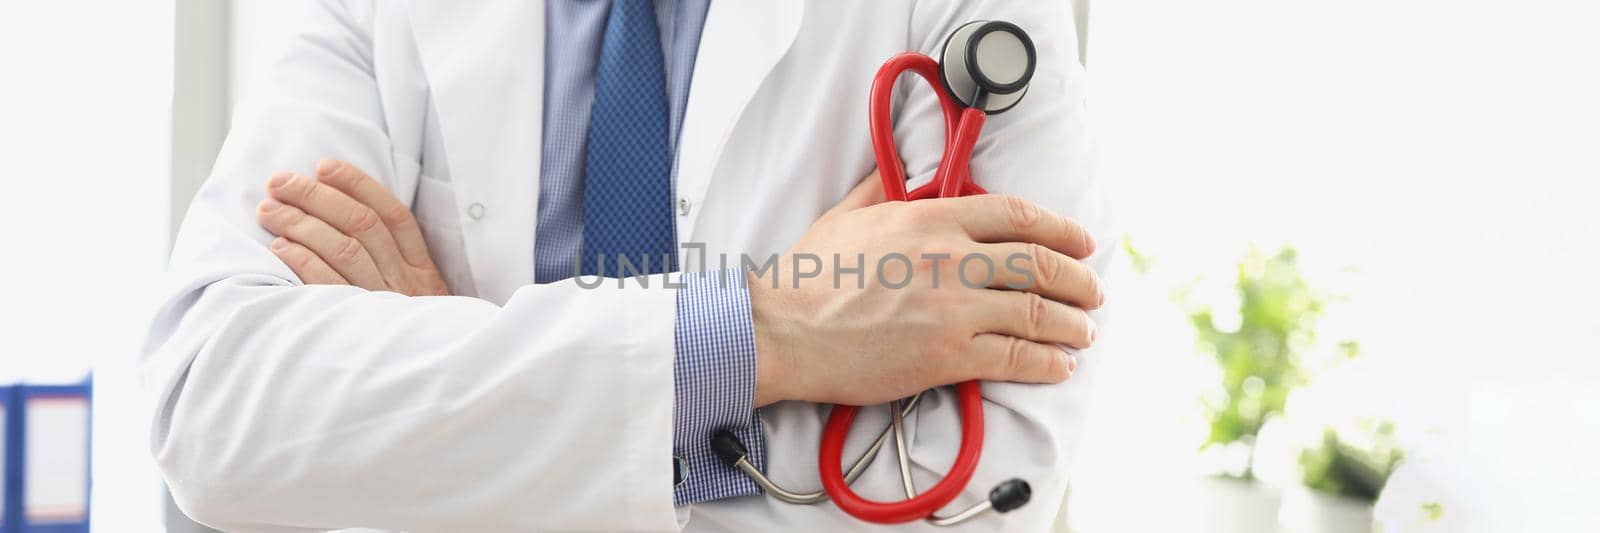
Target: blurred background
[{"x": 1357, "y": 292}]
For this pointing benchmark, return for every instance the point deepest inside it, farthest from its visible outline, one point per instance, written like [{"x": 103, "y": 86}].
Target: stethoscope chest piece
[{"x": 988, "y": 64}]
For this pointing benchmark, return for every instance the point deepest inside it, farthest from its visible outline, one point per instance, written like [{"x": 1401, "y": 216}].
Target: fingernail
[
  {"x": 1094, "y": 332},
  {"x": 268, "y": 205},
  {"x": 280, "y": 243},
  {"x": 1072, "y": 363},
  {"x": 279, "y": 179},
  {"x": 327, "y": 167},
  {"x": 1102, "y": 299}
]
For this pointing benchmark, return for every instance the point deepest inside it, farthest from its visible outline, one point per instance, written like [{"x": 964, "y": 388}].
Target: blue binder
[
  {"x": 10, "y": 460},
  {"x": 57, "y": 408}
]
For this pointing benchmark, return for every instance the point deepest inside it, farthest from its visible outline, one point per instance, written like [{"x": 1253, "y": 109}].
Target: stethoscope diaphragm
[{"x": 988, "y": 64}]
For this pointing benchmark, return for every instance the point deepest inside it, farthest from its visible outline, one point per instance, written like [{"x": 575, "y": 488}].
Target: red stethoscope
[{"x": 985, "y": 69}]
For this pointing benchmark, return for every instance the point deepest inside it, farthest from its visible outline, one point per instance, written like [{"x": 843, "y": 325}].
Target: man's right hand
[{"x": 870, "y": 343}]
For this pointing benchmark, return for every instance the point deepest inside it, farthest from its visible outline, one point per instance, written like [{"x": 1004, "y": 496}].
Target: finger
[
  {"x": 394, "y": 214},
  {"x": 345, "y": 214},
  {"x": 311, "y": 269},
  {"x": 869, "y": 191},
  {"x": 342, "y": 252},
  {"x": 1033, "y": 268},
  {"x": 998, "y": 218},
  {"x": 1029, "y": 316},
  {"x": 1005, "y": 358}
]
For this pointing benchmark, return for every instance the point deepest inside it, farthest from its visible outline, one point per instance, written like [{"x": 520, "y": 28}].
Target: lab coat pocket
[{"x": 435, "y": 208}]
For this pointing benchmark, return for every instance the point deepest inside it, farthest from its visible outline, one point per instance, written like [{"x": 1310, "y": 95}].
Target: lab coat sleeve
[
  {"x": 282, "y": 407},
  {"x": 1039, "y": 151}
]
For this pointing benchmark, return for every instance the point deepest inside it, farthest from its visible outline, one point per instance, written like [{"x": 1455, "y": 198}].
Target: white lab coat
[{"x": 514, "y": 406}]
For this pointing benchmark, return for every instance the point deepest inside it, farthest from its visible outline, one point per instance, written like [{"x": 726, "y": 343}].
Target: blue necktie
[{"x": 627, "y": 196}]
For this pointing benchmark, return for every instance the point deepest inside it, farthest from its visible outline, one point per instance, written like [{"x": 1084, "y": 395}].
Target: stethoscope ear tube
[{"x": 732, "y": 452}]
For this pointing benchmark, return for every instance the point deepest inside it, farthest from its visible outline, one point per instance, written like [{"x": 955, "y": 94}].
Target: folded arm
[
  {"x": 286, "y": 406},
  {"x": 1038, "y": 151}
]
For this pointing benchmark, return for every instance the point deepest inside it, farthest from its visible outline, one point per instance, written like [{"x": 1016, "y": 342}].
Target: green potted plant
[
  {"x": 1261, "y": 334},
  {"x": 1259, "y": 352},
  {"x": 1264, "y": 357},
  {"x": 1341, "y": 477},
  {"x": 1257, "y": 349}
]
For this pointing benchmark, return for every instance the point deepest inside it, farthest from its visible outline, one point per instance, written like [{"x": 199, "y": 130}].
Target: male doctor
[{"x": 373, "y": 319}]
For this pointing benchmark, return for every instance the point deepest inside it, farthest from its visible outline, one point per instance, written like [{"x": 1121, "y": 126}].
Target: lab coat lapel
[
  {"x": 485, "y": 68},
  {"x": 739, "y": 45}
]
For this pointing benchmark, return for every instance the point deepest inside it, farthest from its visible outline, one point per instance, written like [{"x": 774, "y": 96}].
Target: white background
[
  {"x": 1437, "y": 162},
  {"x": 87, "y": 107},
  {"x": 84, "y": 134}
]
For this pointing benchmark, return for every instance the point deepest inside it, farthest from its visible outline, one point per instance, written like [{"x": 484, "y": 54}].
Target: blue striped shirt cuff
[{"x": 714, "y": 385}]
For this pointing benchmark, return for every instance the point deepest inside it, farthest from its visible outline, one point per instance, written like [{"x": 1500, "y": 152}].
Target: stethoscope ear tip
[
  {"x": 728, "y": 448},
  {"x": 1009, "y": 495}
]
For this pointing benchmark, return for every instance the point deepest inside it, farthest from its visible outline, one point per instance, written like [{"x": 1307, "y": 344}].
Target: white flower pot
[
  {"x": 1234, "y": 506},
  {"x": 1310, "y": 511}
]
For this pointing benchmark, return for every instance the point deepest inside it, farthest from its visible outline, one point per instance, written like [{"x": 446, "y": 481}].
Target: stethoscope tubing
[
  {"x": 959, "y": 122},
  {"x": 897, "y": 422},
  {"x": 902, "y": 408},
  {"x": 919, "y": 506},
  {"x": 850, "y": 476},
  {"x": 951, "y": 179}
]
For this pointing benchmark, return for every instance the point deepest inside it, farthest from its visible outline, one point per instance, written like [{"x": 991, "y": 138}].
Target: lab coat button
[
  {"x": 476, "y": 210},
  {"x": 683, "y": 207}
]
